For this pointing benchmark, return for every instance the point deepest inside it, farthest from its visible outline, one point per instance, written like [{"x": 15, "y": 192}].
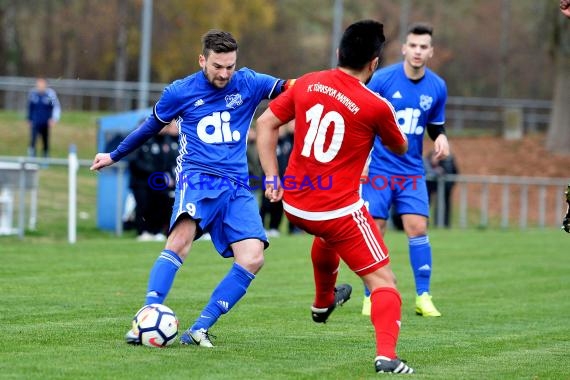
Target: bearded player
[{"x": 214, "y": 108}]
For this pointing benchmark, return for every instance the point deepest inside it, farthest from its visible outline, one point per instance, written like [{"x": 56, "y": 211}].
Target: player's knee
[
  {"x": 416, "y": 228},
  {"x": 391, "y": 279},
  {"x": 249, "y": 254},
  {"x": 258, "y": 265},
  {"x": 256, "y": 262},
  {"x": 381, "y": 278},
  {"x": 252, "y": 263}
]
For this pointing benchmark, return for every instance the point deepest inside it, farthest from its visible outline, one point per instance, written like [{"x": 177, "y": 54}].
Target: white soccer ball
[{"x": 156, "y": 325}]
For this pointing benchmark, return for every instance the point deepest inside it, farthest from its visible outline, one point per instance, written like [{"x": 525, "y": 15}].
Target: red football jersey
[{"x": 336, "y": 120}]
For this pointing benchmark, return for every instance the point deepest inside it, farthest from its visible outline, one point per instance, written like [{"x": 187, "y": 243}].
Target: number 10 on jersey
[{"x": 315, "y": 138}]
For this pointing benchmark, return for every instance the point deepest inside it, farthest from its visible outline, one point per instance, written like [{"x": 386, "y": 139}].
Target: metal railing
[
  {"x": 504, "y": 192},
  {"x": 491, "y": 207},
  {"x": 19, "y": 176},
  {"x": 489, "y": 113},
  {"x": 462, "y": 113}
]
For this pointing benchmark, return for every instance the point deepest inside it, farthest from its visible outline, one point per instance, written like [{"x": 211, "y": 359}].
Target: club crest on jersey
[
  {"x": 233, "y": 100},
  {"x": 425, "y": 102}
]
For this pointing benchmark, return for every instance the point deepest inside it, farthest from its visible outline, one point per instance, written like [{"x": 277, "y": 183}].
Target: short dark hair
[
  {"x": 361, "y": 43},
  {"x": 218, "y": 41},
  {"x": 420, "y": 28}
]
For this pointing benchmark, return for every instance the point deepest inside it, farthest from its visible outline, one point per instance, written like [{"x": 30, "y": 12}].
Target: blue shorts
[
  {"x": 408, "y": 194},
  {"x": 226, "y": 210}
]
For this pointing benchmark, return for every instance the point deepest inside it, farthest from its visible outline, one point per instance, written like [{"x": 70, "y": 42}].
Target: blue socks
[
  {"x": 420, "y": 260},
  {"x": 162, "y": 276},
  {"x": 228, "y": 292}
]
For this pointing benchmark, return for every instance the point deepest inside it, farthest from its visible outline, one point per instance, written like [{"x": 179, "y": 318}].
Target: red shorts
[{"x": 355, "y": 238}]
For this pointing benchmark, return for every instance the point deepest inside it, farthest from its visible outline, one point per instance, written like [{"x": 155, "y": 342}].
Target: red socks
[
  {"x": 385, "y": 316},
  {"x": 325, "y": 270}
]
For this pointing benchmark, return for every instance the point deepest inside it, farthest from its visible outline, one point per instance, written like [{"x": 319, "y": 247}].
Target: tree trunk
[
  {"x": 121, "y": 60},
  {"x": 12, "y": 54},
  {"x": 47, "y": 20},
  {"x": 558, "y": 138}
]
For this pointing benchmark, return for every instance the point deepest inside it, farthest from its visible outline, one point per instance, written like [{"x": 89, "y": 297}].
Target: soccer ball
[{"x": 156, "y": 325}]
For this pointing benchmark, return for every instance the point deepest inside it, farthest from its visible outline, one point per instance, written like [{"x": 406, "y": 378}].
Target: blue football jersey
[
  {"x": 417, "y": 104},
  {"x": 214, "y": 123}
]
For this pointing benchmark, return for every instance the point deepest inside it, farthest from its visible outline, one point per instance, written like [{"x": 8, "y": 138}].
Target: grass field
[{"x": 504, "y": 296}]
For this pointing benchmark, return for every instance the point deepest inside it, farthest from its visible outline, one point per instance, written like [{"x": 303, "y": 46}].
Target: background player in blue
[
  {"x": 418, "y": 96},
  {"x": 213, "y": 108}
]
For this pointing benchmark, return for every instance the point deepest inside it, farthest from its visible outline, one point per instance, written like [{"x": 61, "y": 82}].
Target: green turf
[
  {"x": 77, "y": 128},
  {"x": 503, "y": 294},
  {"x": 65, "y": 309}
]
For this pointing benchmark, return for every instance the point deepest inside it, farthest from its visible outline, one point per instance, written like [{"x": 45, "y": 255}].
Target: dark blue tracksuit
[{"x": 42, "y": 106}]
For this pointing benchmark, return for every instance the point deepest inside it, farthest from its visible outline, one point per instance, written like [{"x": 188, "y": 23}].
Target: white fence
[
  {"x": 19, "y": 180},
  {"x": 501, "y": 201},
  {"x": 482, "y": 201}
]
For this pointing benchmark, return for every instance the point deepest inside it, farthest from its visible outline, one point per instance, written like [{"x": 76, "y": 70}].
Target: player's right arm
[
  {"x": 101, "y": 160},
  {"x": 135, "y": 139},
  {"x": 267, "y": 128},
  {"x": 164, "y": 112}
]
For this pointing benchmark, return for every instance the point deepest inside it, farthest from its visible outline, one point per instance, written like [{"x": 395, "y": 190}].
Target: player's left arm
[
  {"x": 268, "y": 86},
  {"x": 436, "y": 123},
  {"x": 281, "y": 86},
  {"x": 440, "y": 143}
]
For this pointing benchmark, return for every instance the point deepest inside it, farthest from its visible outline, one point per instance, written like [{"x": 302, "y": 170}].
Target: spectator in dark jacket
[
  {"x": 44, "y": 112},
  {"x": 152, "y": 183},
  {"x": 435, "y": 169},
  {"x": 272, "y": 212}
]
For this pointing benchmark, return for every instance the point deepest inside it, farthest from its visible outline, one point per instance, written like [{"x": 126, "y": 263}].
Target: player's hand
[
  {"x": 101, "y": 160},
  {"x": 273, "y": 188},
  {"x": 441, "y": 147}
]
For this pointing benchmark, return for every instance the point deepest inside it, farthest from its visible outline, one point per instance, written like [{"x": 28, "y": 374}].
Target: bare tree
[
  {"x": 121, "y": 61},
  {"x": 10, "y": 40},
  {"x": 558, "y": 137}
]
